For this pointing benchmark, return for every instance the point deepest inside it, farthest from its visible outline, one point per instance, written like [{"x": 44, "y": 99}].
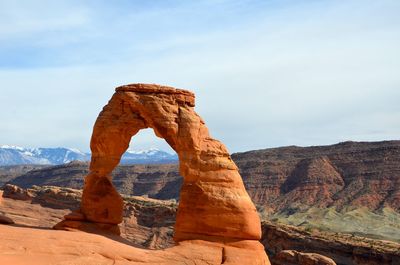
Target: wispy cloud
[{"x": 266, "y": 73}]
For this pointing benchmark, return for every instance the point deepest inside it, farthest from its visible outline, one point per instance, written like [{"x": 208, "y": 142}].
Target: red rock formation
[
  {"x": 148, "y": 223},
  {"x": 214, "y": 204},
  {"x": 17, "y": 193},
  {"x": 312, "y": 182},
  {"x": 344, "y": 175},
  {"x": 293, "y": 257},
  {"x": 342, "y": 248},
  {"x": 4, "y": 219},
  {"x": 25, "y": 245}
]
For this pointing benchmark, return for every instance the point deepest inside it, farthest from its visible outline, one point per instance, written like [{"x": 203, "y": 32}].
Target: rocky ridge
[
  {"x": 349, "y": 174},
  {"x": 344, "y": 175},
  {"x": 344, "y": 249},
  {"x": 9, "y": 173},
  {"x": 159, "y": 181}
]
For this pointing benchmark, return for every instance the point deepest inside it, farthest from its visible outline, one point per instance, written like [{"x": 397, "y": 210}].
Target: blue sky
[{"x": 265, "y": 73}]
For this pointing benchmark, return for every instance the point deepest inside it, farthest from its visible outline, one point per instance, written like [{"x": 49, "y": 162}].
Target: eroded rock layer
[{"x": 148, "y": 223}]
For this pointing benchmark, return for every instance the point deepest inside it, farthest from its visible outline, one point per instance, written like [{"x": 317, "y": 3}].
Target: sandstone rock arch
[{"x": 214, "y": 205}]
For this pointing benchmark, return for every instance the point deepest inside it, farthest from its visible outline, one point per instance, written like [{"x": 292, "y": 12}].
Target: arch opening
[
  {"x": 145, "y": 147},
  {"x": 148, "y": 169}
]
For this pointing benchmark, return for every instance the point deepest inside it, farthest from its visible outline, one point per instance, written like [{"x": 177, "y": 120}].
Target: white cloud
[
  {"x": 311, "y": 73},
  {"x": 25, "y": 18}
]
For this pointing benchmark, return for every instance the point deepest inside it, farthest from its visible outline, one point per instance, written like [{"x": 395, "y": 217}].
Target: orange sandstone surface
[
  {"x": 216, "y": 222},
  {"x": 21, "y": 245}
]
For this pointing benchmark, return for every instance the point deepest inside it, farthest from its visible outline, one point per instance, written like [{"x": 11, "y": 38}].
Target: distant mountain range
[{"x": 15, "y": 155}]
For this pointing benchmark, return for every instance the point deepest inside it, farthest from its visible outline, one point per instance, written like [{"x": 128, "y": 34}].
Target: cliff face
[
  {"x": 350, "y": 174},
  {"x": 343, "y": 249},
  {"x": 9, "y": 173}
]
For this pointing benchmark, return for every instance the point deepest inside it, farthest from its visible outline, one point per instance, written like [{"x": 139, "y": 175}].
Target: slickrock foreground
[
  {"x": 147, "y": 224},
  {"x": 21, "y": 245},
  {"x": 214, "y": 205}
]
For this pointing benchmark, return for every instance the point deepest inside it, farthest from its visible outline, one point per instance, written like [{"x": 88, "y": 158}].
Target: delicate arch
[{"x": 213, "y": 199}]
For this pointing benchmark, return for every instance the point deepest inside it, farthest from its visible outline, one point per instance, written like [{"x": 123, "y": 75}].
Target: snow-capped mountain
[
  {"x": 15, "y": 155},
  {"x": 150, "y": 156}
]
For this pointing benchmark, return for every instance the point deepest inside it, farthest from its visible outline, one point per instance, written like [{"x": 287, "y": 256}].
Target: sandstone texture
[
  {"x": 148, "y": 223},
  {"x": 4, "y": 219},
  {"x": 23, "y": 245},
  {"x": 214, "y": 205},
  {"x": 293, "y": 257},
  {"x": 344, "y": 249},
  {"x": 16, "y": 192}
]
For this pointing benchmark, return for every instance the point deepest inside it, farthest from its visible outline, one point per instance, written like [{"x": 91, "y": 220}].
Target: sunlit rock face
[{"x": 214, "y": 205}]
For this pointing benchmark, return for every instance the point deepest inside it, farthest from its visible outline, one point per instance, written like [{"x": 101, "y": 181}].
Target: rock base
[
  {"x": 5, "y": 220},
  {"x": 86, "y": 226},
  {"x": 23, "y": 245},
  {"x": 293, "y": 257}
]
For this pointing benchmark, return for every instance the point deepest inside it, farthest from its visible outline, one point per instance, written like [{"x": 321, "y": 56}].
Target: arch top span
[
  {"x": 213, "y": 200},
  {"x": 185, "y": 95}
]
